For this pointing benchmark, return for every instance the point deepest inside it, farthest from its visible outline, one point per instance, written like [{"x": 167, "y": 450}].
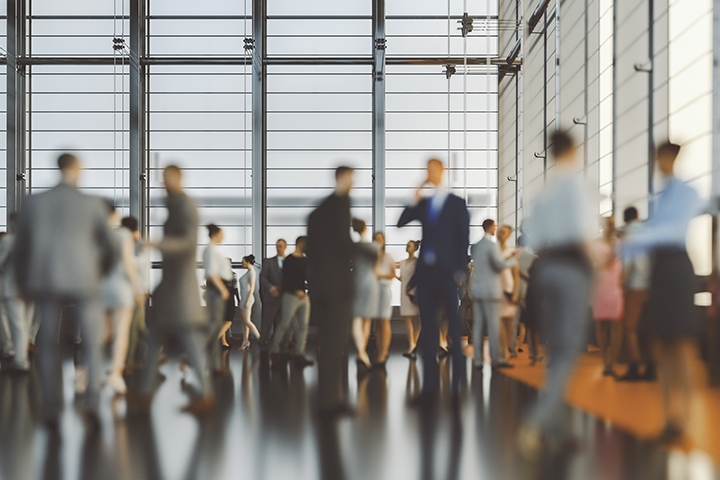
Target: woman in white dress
[
  {"x": 218, "y": 275},
  {"x": 367, "y": 292},
  {"x": 509, "y": 280},
  {"x": 247, "y": 296},
  {"x": 386, "y": 274},
  {"x": 121, "y": 291},
  {"x": 408, "y": 298}
]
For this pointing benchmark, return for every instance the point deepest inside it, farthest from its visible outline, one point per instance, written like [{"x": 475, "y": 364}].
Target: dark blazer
[
  {"x": 270, "y": 276},
  {"x": 449, "y": 236},
  {"x": 330, "y": 249}
]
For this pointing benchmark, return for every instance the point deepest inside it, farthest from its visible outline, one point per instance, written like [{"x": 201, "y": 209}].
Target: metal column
[
  {"x": 715, "y": 188},
  {"x": 651, "y": 106},
  {"x": 16, "y": 146},
  {"x": 259, "y": 129},
  {"x": 378, "y": 115},
  {"x": 136, "y": 154}
]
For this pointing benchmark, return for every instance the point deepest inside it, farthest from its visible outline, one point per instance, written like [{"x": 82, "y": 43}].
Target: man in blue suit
[{"x": 441, "y": 268}]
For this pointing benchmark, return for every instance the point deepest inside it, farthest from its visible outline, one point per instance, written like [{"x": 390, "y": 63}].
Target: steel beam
[
  {"x": 378, "y": 116},
  {"x": 136, "y": 116},
  {"x": 259, "y": 129},
  {"x": 16, "y": 141}
]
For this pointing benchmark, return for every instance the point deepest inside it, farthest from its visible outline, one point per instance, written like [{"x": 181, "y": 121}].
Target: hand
[
  {"x": 274, "y": 291},
  {"x": 418, "y": 191},
  {"x": 225, "y": 293},
  {"x": 301, "y": 294}
]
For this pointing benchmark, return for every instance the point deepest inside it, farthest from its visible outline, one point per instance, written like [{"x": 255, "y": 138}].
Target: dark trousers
[
  {"x": 270, "y": 318},
  {"x": 333, "y": 316},
  {"x": 436, "y": 290}
]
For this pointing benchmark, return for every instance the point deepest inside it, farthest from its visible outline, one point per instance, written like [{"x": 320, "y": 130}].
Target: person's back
[
  {"x": 64, "y": 245},
  {"x": 487, "y": 263}
]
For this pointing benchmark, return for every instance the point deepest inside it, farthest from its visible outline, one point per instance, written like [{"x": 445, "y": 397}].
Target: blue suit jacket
[{"x": 449, "y": 237}]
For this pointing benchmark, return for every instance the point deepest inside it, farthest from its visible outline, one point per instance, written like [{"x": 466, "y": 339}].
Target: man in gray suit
[
  {"x": 271, "y": 290},
  {"x": 63, "y": 248},
  {"x": 486, "y": 291}
]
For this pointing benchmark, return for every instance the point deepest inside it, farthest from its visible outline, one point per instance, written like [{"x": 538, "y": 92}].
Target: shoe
[
  {"x": 117, "y": 382},
  {"x": 224, "y": 347},
  {"x": 362, "y": 367},
  {"x": 200, "y": 407},
  {"x": 301, "y": 361},
  {"x": 502, "y": 365},
  {"x": 341, "y": 410},
  {"x": 382, "y": 366},
  {"x": 411, "y": 354},
  {"x": 444, "y": 352},
  {"x": 478, "y": 366},
  {"x": 632, "y": 375},
  {"x": 608, "y": 372},
  {"x": 536, "y": 359},
  {"x": 245, "y": 346}
]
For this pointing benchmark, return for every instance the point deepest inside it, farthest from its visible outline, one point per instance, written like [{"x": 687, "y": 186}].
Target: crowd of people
[{"x": 65, "y": 248}]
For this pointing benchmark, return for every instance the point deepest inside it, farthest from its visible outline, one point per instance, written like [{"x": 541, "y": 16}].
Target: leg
[
  {"x": 616, "y": 338},
  {"x": 122, "y": 318},
  {"x": 155, "y": 341},
  {"x": 675, "y": 374},
  {"x": 443, "y": 342},
  {"x": 290, "y": 305},
  {"x": 459, "y": 363},
  {"x": 429, "y": 303},
  {"x": 249, "y": 324},
  {"x": 302, "y": 321},
  {"x": 384, "y": 336},
  {"x": 478, "y": 340},
  {"x": 492, "y": 321},
  {"x": 7, "y": 349},
  {"x": 334, "y": 318},
  {"x": 361, "y": 331},
  {"x": 35, "y": 325},
  {"x": 416, "y": 329},
  {"x": 19, "y": 321},
  {"x": 270, "y": 317},
  {"x": 410, "y": 329},
  {"x": 193, "y": 343},
  {"x": 137, "y": 325},
  {"x": 90, "y": 320},
  {"x": 603, "y": 339},
  {"x": 48, "y": 359},
  {"x": 216, "y": 311},
  {"x": 507, "y": 336}
]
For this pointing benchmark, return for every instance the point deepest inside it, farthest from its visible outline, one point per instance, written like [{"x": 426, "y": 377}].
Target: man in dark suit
[
  {"x": 271, "y": 291},
  {"x": 441, "y": 268},
  {"x": 331, "y": 287},
  {"x": 63, "y": 249}
]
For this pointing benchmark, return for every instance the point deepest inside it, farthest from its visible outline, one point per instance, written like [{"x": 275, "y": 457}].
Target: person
[
  {"x": 218, "y": 277},
  {"x": 510, "y": 280},
  {"x": 465, "y": 312},
  {"x": 367, "y": 292},
  {"x": 230, "y": 307},
  {"x": 63, "y": 249},
  {"x": 295, "y": 306},
  {"x": 271, "y": 293},
  {"x": 177, "y": 315},
  {"x": 19, "y": 312},
  {"x": 441, "y": 267},
  {"x": 559, "y": 228},
  {"x": 486, "y": 290},
  {"x": 247, "y": 299},
  {"x": 636, "y": 275},
  {"x": 524, "y": 318},
  {"x": 607, "y": 297},
  {"x": 408, "y": 298},
  {"x": 331, "y": 288},
  {"x": 385, "y": 275},
  {"x": 138, "y": 327},
  {"x": 674, "y": 322},
  {"x": 121, "y": 293}
]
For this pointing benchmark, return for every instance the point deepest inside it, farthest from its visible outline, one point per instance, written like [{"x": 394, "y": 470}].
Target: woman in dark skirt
[
  {"x": 673, "y": 318},
  {"x": 230, "y": 307}
]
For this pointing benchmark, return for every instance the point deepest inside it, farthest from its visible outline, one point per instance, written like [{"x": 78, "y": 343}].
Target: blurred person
[
  {"x": 607, "y": 296},
  {"x": 257, "y": 308},
  {"x": 527, "y": 327},
  {"x": 366, "y": 270},
  {"x": 63, "y": 248},
  {"x": 510, "y": 280},
  {"x": 295, "y": 306},
  {"x": 331, "y": 285},
  {"x": 247, "y": 299},
  {"x": 486, "y": 290},
  {"x": 674, "y": 322},
  {"x": 19, "y": 312},
  {"x": 408, "y": 298},
  {"x": 121, "y": 293},
  {"x": 7, "y": 348},
  {"x": 441, "y": 267},
  {"x": 386, "y": 274},
  {"x": 230, "y": 307},
  {"x": 219, "y": 278},
  {"x": 271, "y": 292},
  {"x": 559, "y": 228},
  {"x": 138, "y": 327},
  {"x": 465, "y": 312},
  {"x": 636, "y": 275},
  {"x": 177, "y": 315}
]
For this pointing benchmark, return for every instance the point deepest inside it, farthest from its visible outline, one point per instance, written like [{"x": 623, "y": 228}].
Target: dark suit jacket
[
  {"x": 449, "y": 236},
  {"x": 270, "y": 276},
  {"x": 330, "y": 249}
]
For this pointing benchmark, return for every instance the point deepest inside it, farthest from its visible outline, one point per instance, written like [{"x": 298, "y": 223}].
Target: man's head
[
  {"x": 301, "y": 244},
  {"x": 280, "y": 247},
  {"x": 666, "y": 154},
  {"x": 435, "y": 169},
  {"x": 69, "y": 167},
  {"x": 172, "y": 176},
  {"x": 489, "y": 226},
  {"x": 563, "y": 147},
  {"x": 344, "y": 180},
  {"x": 630, "y": 214}
]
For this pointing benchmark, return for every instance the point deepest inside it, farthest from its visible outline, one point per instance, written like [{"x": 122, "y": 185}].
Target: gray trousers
[
  {"x": 91, "y": 324},
  {"x": 270, "y": 316},
  {"x": 7, "y": 348},
  {"x": 20, "y": 316},
  {"x": 294, "y": 309},
  {"x": 487, "y": 315},
  {"x": 216, "y": 318},
  {"x": 564, "y": 287}
]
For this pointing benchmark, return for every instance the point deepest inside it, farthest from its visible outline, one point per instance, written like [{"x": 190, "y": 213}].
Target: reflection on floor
[{"x": 265, "y": 428}]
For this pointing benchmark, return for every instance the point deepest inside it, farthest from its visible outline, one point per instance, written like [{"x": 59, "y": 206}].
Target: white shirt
[
  {"x": 281, "y": 261},
  {"x": 216, "y": 264}
]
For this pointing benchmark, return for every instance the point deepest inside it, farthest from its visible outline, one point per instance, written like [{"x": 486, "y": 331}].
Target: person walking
[
  {"x": 441, "y": 267},
  {"x": 408, "y": 298},
  {"x": 330, "y": 249},
  {"x": 386, "y": 274},
  {"x": 367, "y": 292},
  {"x": 63, "y": 248},
  {"x": 607, "y": 296},
  {"x": 271, "y": 292},
  {"x": 510, "y": 280},
  {"x": 247, "y": 299},
  {"x": 295, "y": 306},
  {"x": 230, "y": 307},
  {"x": 218, "y": 277},
  {"x": 138, "y": 327}
]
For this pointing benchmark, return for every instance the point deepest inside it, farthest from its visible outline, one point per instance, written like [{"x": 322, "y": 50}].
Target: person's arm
[
  {"x": 411, "y": 213},
  {"x": 387, "y": 276},
  {"x": 251, "y": 288},
  {"x": 463, "y": 239},
  {"x": 516, "y": 283}
]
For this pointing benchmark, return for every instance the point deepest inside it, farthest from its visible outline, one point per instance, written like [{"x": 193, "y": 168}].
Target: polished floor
[{"x": 264, "y": 427}]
